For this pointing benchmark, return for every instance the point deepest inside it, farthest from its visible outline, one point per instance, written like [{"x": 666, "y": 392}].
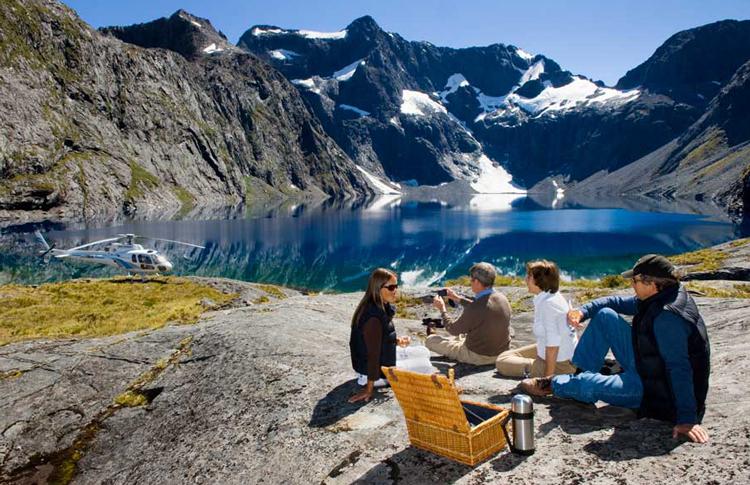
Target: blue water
[{"x": 334, "y": 248}]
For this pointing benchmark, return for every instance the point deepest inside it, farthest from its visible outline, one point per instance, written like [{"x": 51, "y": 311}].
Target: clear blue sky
[{"x": 598, "y": 39}]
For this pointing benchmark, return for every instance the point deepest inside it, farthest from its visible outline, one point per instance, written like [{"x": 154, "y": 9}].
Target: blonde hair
[{"x": 378, "y": 278}]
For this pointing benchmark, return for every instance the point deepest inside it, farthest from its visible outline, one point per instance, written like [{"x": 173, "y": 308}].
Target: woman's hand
[
  {"x": 365, "y": 394},
  {"x": 439, "y": 303},
  {"x": 403, "y": 341},
  {"x": 694, "y": 432}
]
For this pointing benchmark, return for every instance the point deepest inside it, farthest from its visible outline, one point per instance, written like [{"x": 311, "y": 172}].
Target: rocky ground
[{"x": 257, "y": 394}]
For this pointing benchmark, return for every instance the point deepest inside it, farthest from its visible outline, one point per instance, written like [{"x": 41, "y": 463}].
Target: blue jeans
[{"x": 606, "y": 330}]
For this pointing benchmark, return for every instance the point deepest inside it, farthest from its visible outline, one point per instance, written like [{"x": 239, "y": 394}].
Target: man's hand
[
  {"x": 574, "y": 318},
  {"x": 694, "y": 432},
  {"x": 403, "y": 341},
  {"x": 438, "y": 303},
  {"x": 452, "y": 295}
]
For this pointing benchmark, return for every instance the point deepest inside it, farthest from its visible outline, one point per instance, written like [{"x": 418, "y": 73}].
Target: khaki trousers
[
  {"x": 513, "y": 363},
  {"x": 455, "y": 348}
]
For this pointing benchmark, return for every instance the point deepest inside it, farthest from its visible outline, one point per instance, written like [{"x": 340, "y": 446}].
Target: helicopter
[{"x": 127, "y": 256}]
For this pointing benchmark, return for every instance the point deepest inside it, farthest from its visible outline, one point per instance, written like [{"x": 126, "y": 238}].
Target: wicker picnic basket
[{"x": 438, "y": 421}]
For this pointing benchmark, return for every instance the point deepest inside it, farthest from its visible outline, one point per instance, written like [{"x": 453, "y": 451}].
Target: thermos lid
[{"x": 521, "y": 403}]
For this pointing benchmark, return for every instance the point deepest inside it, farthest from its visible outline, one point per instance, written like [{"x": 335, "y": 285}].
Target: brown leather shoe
[{"x": 537, "y": 386}]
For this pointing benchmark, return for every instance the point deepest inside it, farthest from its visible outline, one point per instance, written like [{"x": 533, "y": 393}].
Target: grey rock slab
[{"x": 262, "y": 399}]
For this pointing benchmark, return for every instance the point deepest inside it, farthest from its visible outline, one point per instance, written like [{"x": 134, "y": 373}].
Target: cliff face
[
  {"x": 94, "y": 127},
  {"x": 710, "y": 161}
]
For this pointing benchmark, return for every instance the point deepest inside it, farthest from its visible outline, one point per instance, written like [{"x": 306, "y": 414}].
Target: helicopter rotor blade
[
  {"x": 112, "y": 239},
  {"x": 41, "y": 240},
  {"x": 173, "y": 241}
]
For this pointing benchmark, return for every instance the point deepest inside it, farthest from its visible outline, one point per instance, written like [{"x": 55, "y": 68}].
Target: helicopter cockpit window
[
  {"x": 145, "y": 259},
  {"x": 134, "y": 260}
]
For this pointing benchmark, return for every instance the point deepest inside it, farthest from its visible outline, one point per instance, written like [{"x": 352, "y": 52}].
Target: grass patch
[
  {"x": 739, "y": 242},
  {"x": 521, "y": 305},
  {"x": 261, "y": 300},
  {"x": 11, "y": 374},
  {"x": 701, "y": 260},
  {"x": 590, "y": 294},
  {"x": 715, "y": 141},
  {"x": 405, "y": 304},
  {"x": 187, "y": 201},
  {"x": 99, "y": 307},
  {"x": 500, "y": 280},
  {"x": 274, "y": 291},
  {"x": 131, "y": 399},
  {"x": 739, "y": 291},
  {"x": 609, "y": 281},
  {"x": 140, "y": 181}
]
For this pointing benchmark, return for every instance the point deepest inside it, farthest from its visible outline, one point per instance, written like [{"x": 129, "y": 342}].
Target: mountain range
[{"x": 169, "y": 115}]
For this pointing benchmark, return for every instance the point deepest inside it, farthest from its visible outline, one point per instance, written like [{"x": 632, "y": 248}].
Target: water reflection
[{"x": 333, "y": 245}]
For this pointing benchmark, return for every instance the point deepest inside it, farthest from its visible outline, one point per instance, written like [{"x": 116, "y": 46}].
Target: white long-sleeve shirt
[{"x": 551, "y": 327}]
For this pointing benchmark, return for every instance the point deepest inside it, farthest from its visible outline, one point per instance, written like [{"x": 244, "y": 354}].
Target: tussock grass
[
  {"x": 739, "y": 242},
  {"x": 738, "y": 291},
  {"x": 701, "y": 260},
  {"x": 99, "y": 307},
  {"x": 405, "y": 305},
  {"x": 274, "y": 291},
  {"x": 609, "y": 281},
  {"x": 500, "y": 280}
]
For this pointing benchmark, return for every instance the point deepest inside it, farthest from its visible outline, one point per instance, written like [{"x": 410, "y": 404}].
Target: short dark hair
[
  {"x": 661, "y": 283},
  {"x": 546, "y": 275}
]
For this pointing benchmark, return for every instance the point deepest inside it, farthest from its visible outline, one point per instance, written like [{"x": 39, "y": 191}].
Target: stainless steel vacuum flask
[{"x": 522, "y": 414}]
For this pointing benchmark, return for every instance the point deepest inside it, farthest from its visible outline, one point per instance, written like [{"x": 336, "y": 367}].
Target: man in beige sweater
[{"x": 482, "y": 331}]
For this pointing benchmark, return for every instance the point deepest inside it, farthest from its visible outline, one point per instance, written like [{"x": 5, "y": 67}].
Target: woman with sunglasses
[{"x": 373, "y": 338}]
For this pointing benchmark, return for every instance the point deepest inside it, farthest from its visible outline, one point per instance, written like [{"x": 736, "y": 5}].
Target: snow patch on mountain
[
  {"x": 196, "y": 24},
  {"x": 283, "y": 54},
  {"x": 383, "y": 187},
  {"x": 493, "y": 179},
  {"x": 524, "y": 55},
  {"x": 311, "y": 34},
  {"x": 347, "y": 72},
  {"x": 258, "y": 31},
  {"x": 349, "y": 107},
  {"x": 578, "y": 91},
  {"x": 454, "y": 82},
  {"x": 532, "y": 73},
  {"x": 212, "y": 49},
  {"x": 419, "y": 104},
  {"x": 309, "y": 84}
]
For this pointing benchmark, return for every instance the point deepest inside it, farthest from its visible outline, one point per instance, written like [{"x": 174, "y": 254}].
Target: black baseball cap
[{"x": 652, "y": 265}]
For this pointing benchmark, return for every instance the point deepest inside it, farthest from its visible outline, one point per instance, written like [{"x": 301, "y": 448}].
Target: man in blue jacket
[{"x": 665, "y": 353}]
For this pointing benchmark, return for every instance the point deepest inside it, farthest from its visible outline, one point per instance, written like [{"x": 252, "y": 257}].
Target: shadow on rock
[
  {"x": 637, "y": 439},
  {"x": 335, "y": 405},
  {"x": 508, "y": 461},
  {"x": 412, "y": 465},
  {"x": 461, "y": 369}
]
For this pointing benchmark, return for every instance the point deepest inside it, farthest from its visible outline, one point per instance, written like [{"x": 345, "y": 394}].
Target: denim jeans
[{"x": 606, "y": 330}]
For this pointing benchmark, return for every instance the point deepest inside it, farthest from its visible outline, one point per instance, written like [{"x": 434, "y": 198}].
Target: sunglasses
[{"x": 390, "y": 287}]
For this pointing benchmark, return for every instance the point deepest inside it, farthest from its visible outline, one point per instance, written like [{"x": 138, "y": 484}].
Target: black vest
[
  {"x": 357, "y": 345},
  {"x": 658, "y": 398}
]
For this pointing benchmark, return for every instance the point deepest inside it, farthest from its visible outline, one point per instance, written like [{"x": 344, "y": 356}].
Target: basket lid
[{"x": 428, "y": 398}]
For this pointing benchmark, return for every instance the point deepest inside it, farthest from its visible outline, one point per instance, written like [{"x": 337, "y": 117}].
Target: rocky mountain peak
[
  {"x": 693, "y": 65},
  {"x": 190, "y": 36}
]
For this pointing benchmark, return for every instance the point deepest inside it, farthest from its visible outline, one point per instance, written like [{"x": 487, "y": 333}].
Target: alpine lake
[{"x": 333, "y": 246}]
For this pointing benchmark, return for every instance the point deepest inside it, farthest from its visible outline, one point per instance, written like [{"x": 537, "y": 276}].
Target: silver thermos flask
[{"x": 522, "y": 414}]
